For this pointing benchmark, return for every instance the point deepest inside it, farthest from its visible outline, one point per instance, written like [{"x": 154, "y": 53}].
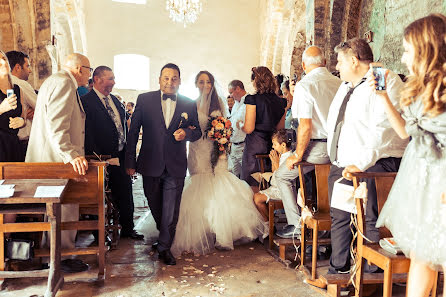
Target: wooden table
[{"x": 24, "y": 202}]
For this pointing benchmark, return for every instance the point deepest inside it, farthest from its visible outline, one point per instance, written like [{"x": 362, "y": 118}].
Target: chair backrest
[
  {"x": 383, "y": 184},
  {"x": 321, "y": 171},
  {"x": 82, "y": 189}
]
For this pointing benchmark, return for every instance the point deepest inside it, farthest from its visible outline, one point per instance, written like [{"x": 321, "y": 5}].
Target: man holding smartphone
[{"x": 360, "y": 138}]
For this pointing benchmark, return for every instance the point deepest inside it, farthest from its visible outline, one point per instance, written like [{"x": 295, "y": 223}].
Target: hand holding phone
[
  {"x": 380, "y": 76},
  {"x": 9, "y": 103}
]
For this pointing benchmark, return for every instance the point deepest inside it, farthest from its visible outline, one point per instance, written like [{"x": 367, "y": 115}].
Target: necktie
[
  {"x": 115, "y": 120},
  {"x": 339, "y": 123},
  {"x": 171, "y": 97}
]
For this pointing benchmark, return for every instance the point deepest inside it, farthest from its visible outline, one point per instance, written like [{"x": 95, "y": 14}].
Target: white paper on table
[
  {"x": 6, "y": 191},
  {"x": 48, "y": 191}
]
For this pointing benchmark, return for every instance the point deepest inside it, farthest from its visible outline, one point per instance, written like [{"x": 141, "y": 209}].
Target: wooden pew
[{"x": 87, "y": 191}]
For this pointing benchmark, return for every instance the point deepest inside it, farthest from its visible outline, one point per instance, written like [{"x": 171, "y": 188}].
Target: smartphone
[
  {"x": 380, "y": 76},
  {"x": 9, "y": 92}
]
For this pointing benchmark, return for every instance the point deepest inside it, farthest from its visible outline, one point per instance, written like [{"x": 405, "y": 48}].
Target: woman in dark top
[
  {"x": 265, "y": 112},
  {"x": 10, "y": 112}
]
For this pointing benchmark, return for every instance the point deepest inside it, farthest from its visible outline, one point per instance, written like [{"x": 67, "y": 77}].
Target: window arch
[{"x": 132, "y": 72}]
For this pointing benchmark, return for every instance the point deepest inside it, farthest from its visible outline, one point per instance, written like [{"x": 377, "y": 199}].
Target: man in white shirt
[
  {"x": 237, "y": 91},
  {"x": 312, "y": 99},
  {"x": 360, "y": 138},
  {"x": 20, "y": 70}
]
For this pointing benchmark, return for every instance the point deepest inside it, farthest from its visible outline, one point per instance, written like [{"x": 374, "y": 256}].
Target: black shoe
[
  {"x": 73, "y": 265},
  {"x": 155, "y": 245},
  {"x": 167, "y": 257},
  {"x": 132, "y": 235},
  {"x": 289, "y": 231}
]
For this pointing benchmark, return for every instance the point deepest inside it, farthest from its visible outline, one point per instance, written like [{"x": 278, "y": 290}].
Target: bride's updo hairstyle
[
  {"x": 428, "y": 82},
  {"x": 214, "y": 104},
  {"x": 263, "y": 80}
]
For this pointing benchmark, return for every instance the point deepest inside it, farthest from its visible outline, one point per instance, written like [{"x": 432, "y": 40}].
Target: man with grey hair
[
  {"x": 312, "y": 98},
  {"x": 58, "y": 134},
  {"x": 237, "y": 91}
]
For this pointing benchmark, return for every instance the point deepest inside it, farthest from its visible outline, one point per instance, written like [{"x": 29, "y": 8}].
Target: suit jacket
[
  {"x": 101, "y": 135},
  {"x": 57, "y": 133},
  {"x": 159, "y": 148}
]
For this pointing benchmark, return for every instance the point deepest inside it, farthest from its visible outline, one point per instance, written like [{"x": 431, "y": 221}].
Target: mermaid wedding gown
[{"x": 217, "y": 208}]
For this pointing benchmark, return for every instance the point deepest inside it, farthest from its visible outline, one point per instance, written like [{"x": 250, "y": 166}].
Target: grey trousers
[
  {"x": 315, "y": 153},
  {"x": 235, "y": 158}
]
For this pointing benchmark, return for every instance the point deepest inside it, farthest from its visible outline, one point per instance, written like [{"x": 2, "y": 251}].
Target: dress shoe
[
  {"x": 155, "y": 245},
  {"x": 167, "y": 257},
  {"x": 289, "y": 231},
  {"x": 132, "y": 235},
  {"x": 73, "y": 265}
]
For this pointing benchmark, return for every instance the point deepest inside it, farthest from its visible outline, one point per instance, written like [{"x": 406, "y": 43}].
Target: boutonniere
[{"x": 184, "y": 117}]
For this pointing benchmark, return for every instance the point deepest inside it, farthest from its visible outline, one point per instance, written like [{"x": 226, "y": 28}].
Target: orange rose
[
  {"x": 219, "y": 126},
  {"x": 228, "y": 124},
  {"x": 214, "y": 123}
]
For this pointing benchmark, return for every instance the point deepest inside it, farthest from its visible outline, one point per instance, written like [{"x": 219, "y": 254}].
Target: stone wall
[{"x": 387, "y": 20}]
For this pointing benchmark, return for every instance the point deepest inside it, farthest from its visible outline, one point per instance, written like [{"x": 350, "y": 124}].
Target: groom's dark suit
[{"x": 162, "y": 160}]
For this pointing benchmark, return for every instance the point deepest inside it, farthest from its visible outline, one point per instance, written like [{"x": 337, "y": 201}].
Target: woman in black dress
[
  {"x": 265, "y": 113},
  {"x": 10, "y": 116}
]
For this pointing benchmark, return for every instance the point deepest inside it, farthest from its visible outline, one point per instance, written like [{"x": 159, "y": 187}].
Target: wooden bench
[{"x": 86, "y": 190}]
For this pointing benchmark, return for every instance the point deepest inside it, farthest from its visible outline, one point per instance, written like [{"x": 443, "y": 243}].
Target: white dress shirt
[
  {"x": 238, "y": 114},
  {"x": 168, "y": 107},
  {"x": 366, "y": 135},
  {"x": 115, "y": 111},
  {"x": 28, "y": 100},
  {"x": 312, "y": 98}
]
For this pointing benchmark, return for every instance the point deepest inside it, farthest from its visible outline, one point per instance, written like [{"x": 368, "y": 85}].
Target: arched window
[
  {"x": 132, "y": 1},
  {"x": 132, "y": 72}
]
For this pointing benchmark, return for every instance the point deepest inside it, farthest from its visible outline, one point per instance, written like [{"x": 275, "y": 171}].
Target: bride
[{"x": 217, "y": 209}]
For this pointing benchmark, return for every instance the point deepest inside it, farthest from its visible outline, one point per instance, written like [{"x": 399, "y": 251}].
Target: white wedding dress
[{"x": 217, "y": 208}]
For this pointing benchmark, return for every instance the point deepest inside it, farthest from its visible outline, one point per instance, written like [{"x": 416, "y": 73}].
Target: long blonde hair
[
  {"x": 3, "y": 56},
  {"x": 428, "y": 82}
]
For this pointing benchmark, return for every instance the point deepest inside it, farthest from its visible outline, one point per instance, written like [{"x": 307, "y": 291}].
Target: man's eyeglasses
[{"x": 89, "y": 68}]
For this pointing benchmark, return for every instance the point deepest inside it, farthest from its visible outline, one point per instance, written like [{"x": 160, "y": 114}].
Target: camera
[{"x": 380, "y": 76}]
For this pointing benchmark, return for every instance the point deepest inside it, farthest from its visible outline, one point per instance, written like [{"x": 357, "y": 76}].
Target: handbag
[{"x": 19, "y": 249}]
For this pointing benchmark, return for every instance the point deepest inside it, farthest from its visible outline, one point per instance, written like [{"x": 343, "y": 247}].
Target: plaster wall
[{"x": 225, "y": 39}]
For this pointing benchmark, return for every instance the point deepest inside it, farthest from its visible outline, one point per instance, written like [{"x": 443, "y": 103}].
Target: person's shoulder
[
  {"x": 251, "y": 99},
  {"x": 152, "y": 95}
]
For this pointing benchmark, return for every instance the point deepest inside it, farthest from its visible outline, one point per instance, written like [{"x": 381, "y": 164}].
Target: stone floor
[{"x": 133, "y": 270}]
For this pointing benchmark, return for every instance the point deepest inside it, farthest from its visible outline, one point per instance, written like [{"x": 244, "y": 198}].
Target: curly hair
[
  {"x": 281, "y": 136},
  {"x": 427, "y": 36},
  {"x": 263, "y": 80}
]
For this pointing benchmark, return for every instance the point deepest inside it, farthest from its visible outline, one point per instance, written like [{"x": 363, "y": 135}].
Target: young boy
[{"x": 280, "y": 152}]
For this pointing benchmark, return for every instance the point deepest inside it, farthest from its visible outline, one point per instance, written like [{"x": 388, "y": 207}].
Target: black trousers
[
  {"x": 164, "y": 197},
  {"x": 341, "y": 235},
  {"x": 120, "y": 184}
]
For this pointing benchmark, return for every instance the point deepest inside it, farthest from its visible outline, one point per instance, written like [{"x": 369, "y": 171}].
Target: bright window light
[
  {"x": 132, "y": 1},
  {"x": 132, "y": 72}
]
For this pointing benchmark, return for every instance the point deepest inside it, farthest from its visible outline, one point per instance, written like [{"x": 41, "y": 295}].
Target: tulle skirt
[{"x": 217, "y": 210}]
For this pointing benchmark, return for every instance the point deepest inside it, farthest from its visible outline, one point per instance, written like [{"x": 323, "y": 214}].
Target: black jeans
[{"x": 341, "y": 235}]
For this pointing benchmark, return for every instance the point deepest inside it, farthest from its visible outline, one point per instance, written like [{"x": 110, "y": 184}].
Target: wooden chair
[
  {"x": 86, "y": 190},
  {"x": 372, "y": 252},
  {"x": 321, "y": 220}
]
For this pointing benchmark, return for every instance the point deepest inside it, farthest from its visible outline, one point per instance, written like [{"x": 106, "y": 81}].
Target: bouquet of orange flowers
[{"x": 219, "y": 130}]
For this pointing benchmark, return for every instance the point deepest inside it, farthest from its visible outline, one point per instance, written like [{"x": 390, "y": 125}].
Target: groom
[{"x": 168, "y": 121}]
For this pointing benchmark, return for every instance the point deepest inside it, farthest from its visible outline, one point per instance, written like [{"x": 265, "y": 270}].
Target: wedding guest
[
  {"x": 314, "y": 94},
  {"x": 360, "y": 138},
  {"x": 58, "y": 134},
  {"x": 265, "y": 112},
  {"x": 106, "y": 134},
  {"x": 280, "y": 78},
  {"x": 415, "y": 209},
  {"x": 231, "y": 102},
  {"x": 285, "y": 87},
  {"x": 278, "y": 155},
  {"x": 20, "y": 70},
  {"x": 237, "y": 91},
  {"x": 129, "y": 108}
]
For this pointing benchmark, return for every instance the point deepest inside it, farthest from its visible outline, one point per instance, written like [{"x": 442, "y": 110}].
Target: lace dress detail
[
  {"x": 217, "y": 209},
  {"x": 413, "y": 211}
]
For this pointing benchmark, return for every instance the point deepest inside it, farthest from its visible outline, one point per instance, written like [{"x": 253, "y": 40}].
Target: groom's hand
[
  {"x": 130, "y": 171},
  {"x": 179, "y": 135}
]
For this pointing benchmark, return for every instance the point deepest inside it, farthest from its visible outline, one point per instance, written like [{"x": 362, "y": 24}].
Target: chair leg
[
  {"x": 434, "y": 287},
  {"x": 314, "y": 253},
  {"x": 2, "y": 248},
  {"x": 302, "y": 245},
  {"x": 282, "y": 250},
  {"x": 387, "y": 287},
  {"x": 359, "y": 276},
  {"x": 334, "y": 290},
  {"x": 271, "y": 224}
]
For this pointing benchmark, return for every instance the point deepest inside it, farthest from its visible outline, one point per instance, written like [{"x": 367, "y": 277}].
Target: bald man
[
  {"x": 58, "y": 130},
  {"x": 312, "y": 98}
]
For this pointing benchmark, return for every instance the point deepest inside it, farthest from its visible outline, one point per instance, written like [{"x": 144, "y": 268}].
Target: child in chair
[{"x": 280, "y": 152}]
